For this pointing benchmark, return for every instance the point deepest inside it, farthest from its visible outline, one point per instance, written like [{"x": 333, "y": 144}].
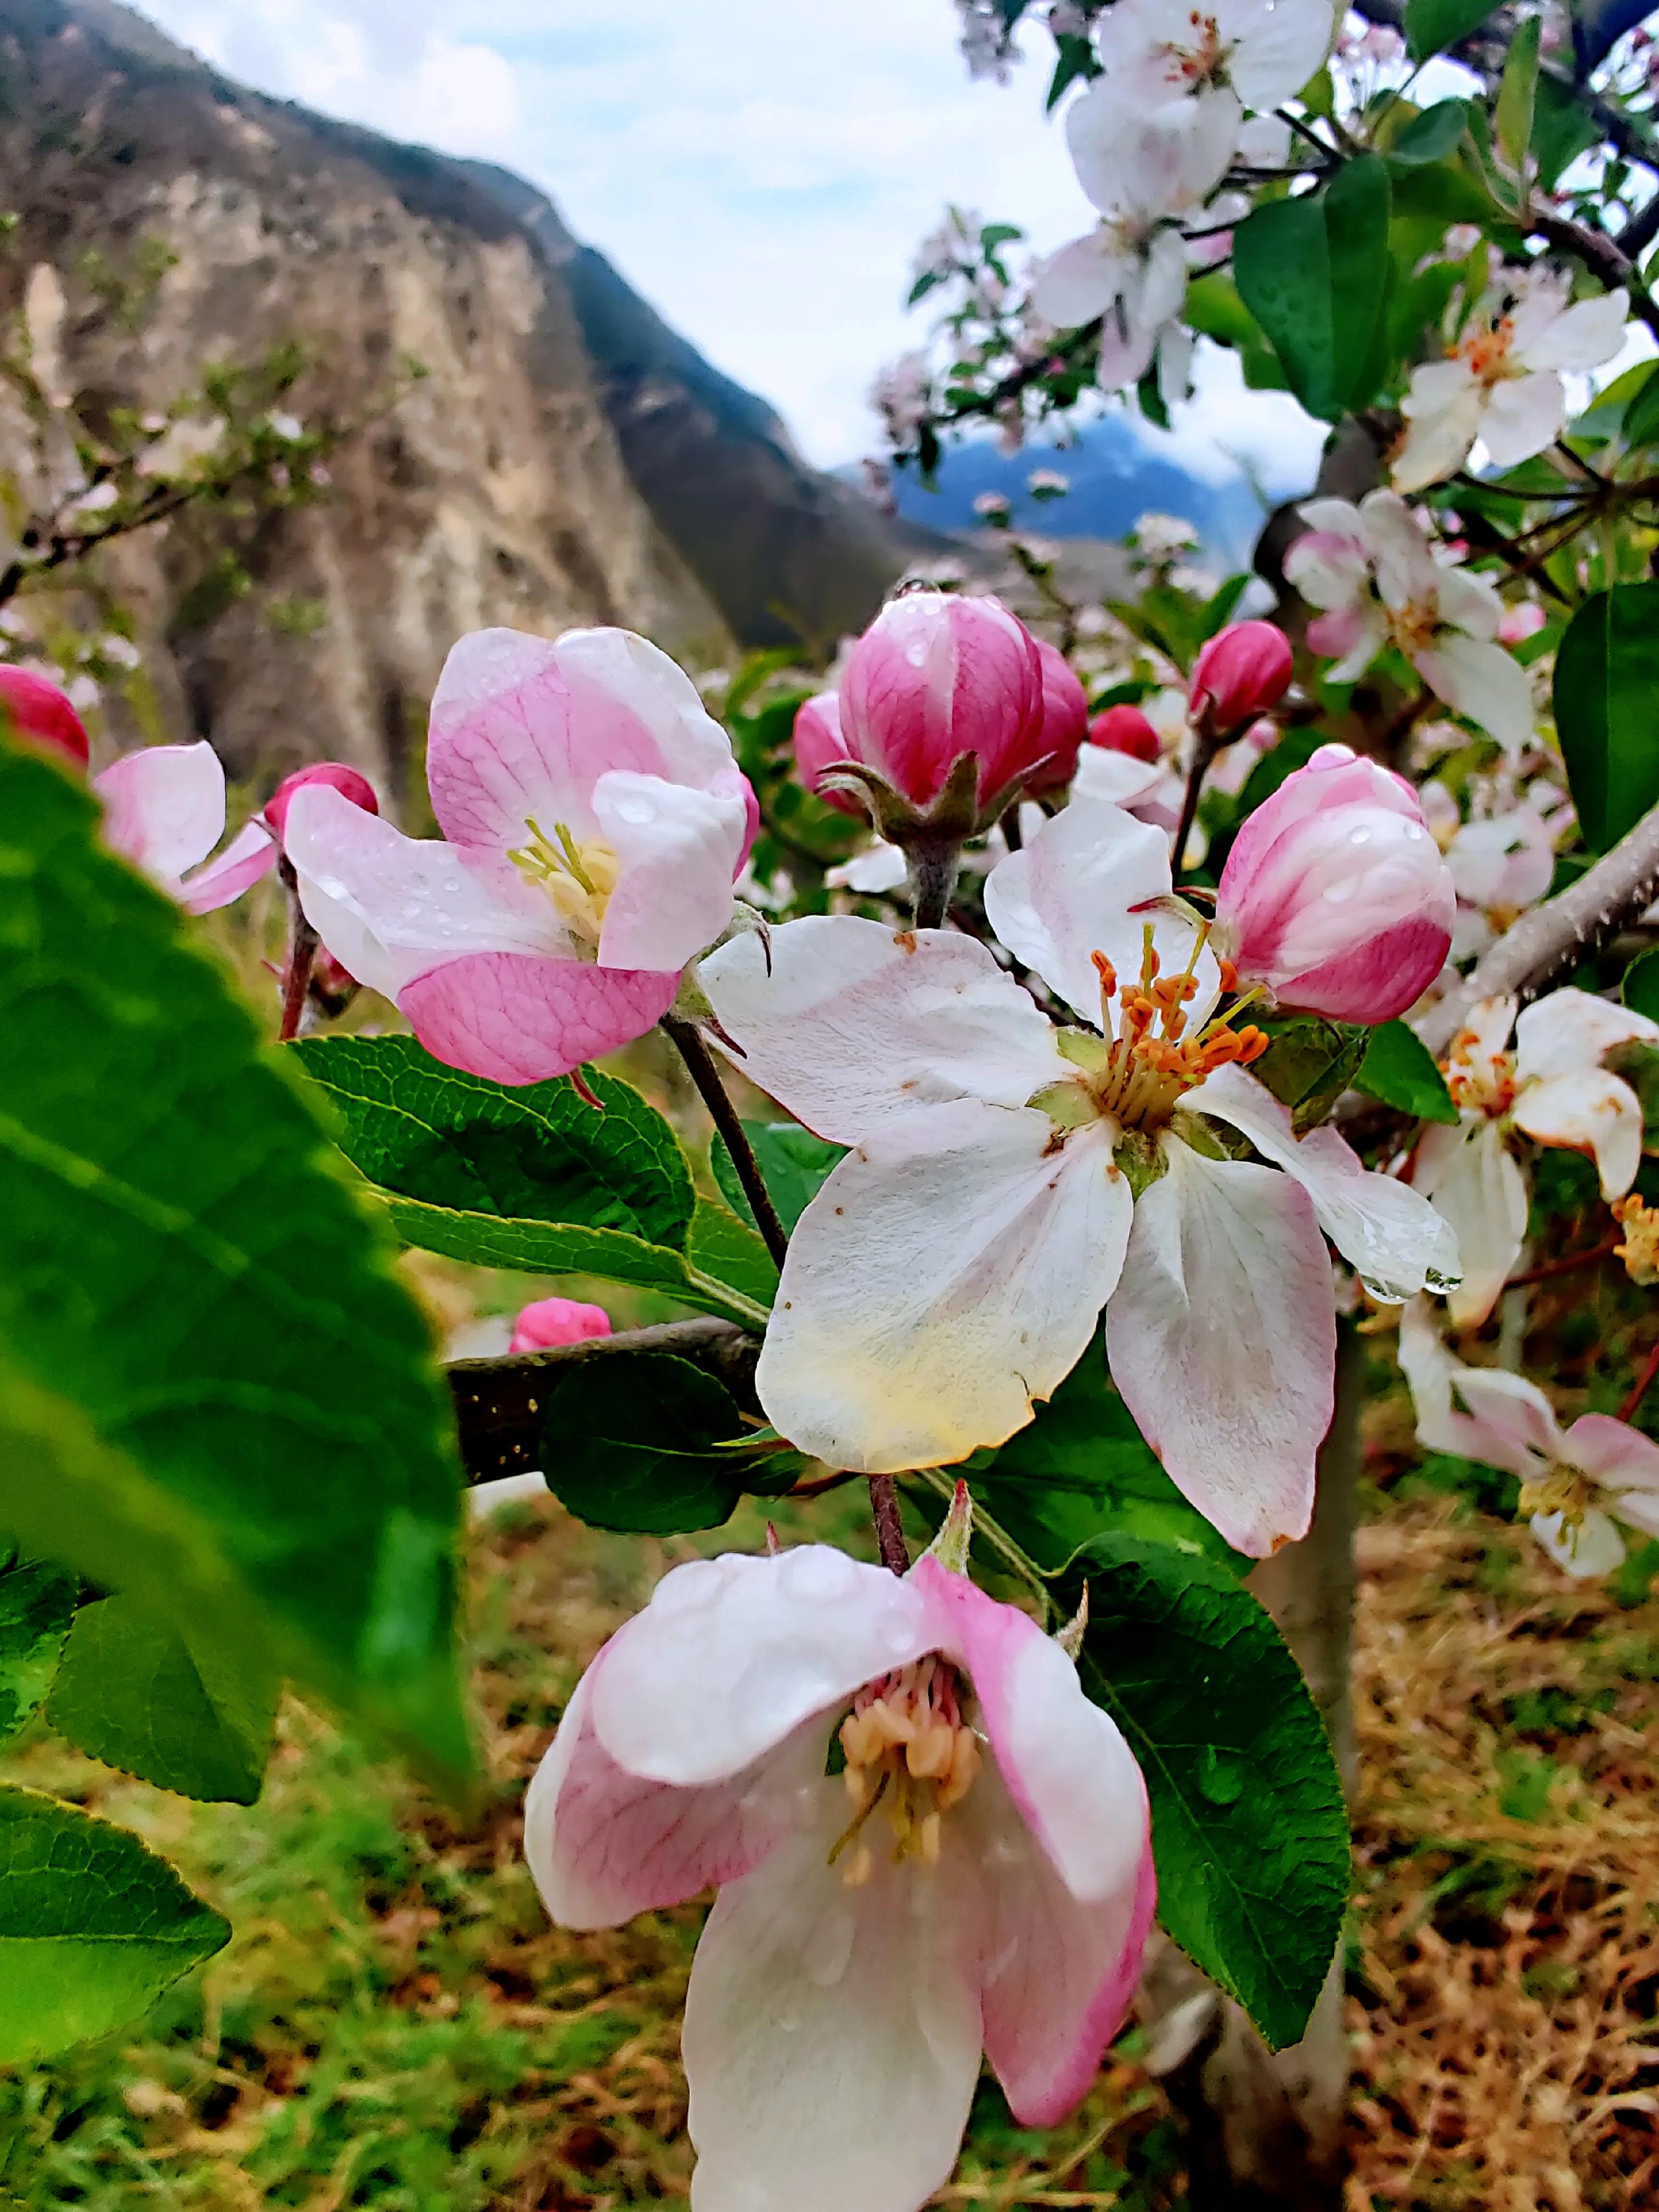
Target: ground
[{"x": 396, "y": 2026}]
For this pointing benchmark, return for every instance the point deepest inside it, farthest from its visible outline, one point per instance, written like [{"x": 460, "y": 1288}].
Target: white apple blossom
[
  {"x": 1372, "y": 571},
  {"x": 1222, "y": 58},
  {"x": 1553, "y": 1088},
  {"x": 1501, "y": 384},
  {"x": 1009, "y": 1179},
  {"x": 1575, "y": 1484}
]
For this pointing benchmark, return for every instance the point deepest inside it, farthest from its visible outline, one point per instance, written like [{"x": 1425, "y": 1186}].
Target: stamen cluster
[
  {"x": 909, "y": 1750},
  {"x": 1149, "y": 1061},
  {"x": 579, "y": 879}
]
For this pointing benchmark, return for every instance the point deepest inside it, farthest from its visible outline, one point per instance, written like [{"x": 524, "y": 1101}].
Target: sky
[{"x": 761, "y": 170}]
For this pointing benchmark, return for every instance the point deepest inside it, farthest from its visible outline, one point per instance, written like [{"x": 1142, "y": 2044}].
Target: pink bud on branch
[
  {"x": 336, "y": 774},
  {"x": 1244, "y": 671},
  {"x": 1126, "y": 729},
  {"x": 552, "y": 1321}
]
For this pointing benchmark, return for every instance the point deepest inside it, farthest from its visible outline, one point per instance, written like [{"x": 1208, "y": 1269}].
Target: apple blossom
[
  {"x": 594, "y": 821},
  {"x": 1241, "y": 672},
  {"x": 819, "y": 745},
  {"x": 1553, "y": 1088},
  {"x": 1009, "y": 1179},
  {"x": 1334, "y": 895},
  {"x": 36, "y": 708},
  {"x": 979, "y": 1876},
  {"x": 164, "y": 810},
  {"x": 1370, "y": 569},
  {"x": 1219, "y": 59},
  {"x": 1575, "y": 1485},
  {"x": 1125, "y": 729},
  {"x": 1501, "y": 864},
  {"x": 1501, "y": 384}
]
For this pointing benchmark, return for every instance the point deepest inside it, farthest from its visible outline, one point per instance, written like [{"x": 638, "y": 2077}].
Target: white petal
[
  {"x": 679, "y": 849},
  {"x": 1570, "y": 1029},
  {"x": 1469, "y": 602},
  {"x": 1588, "y": 1111},
  {"x": 1508, "y": 860},
  {"x": 1592, "y": 1548},
  {"x": 1583, "y": 337},
  {"x": 1511, "y": 1422},
  {"x": 1523, "y": 414},
  {"x": 832, "y": 2035},
  {"x": 856, "y": 1026},
  {"x": 881, "y": 867},
  {"x": 1468, "y": 1176},
  {"x": 1407, "y": 573},
  {"x": 951, "y": 1271},
  {"x": 1430, "y": 1371},
  {"x": 1223, "y": 1341},
  {"x": 1285, "y": 44},
  {"x": 1394, "y": 1238},
  {"x": 1081, "y": 280},
  {"x": 733, "y": 1653},
  {"x": 1444, "y": 410},
  {"x": 164, "y": 807},
  {"x": 1105, "y": 777},
  {"x": 1483, "y": 681},
  {"x": 1070, "y": 893}
]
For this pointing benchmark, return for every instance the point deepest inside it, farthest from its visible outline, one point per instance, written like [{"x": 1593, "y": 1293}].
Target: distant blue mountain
[{"x": 1115, "y": 472}]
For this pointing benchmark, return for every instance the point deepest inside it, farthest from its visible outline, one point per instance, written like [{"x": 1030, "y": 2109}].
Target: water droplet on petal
[
  {"x": 1361, "y": 835},
  {"x": 818, "y": 1575},
  {"x": 698, "y": 1583}
]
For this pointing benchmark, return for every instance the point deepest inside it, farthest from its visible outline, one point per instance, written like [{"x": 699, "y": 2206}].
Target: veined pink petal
[
  {"x": 164, "y": 807},
  {"x": 1614, "y": 1452},
  {"x": 518, "y": 1017},
  {"x": 1469, "y": 1176},
  {"x": 1587, "y": 1111},
  {"x": 679, "y": 849},
  {"x": 832, "y": 2036},
  {"x": 1513, "y": 1423},
  {"x": 948, "y": 1273},
  {"x": 1386, "y": 977},
  {"x": 251, "y": 854},
  {"x": 853, "y": 1025},
  {"x": 1223, "y": 1341}
]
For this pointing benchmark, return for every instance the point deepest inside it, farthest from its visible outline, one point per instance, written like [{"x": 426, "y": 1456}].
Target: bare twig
[
  {"x": 700, "y": 1062},
  {"x": 890, "y": 1529},
  {"x": 1542, "y": 1273},
  {"x": 302, "y": 951},
  {"x": 1640, "y": 1388}
]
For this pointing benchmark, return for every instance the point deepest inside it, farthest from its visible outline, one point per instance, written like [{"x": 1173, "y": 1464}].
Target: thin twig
[
  {"x": 1650, "y": 1369},
  {"x": 890, "y": 1529},
  {"x": 1542, "y": 1273},
  {"x": 1203, "y": 753},
  {"x": 700, "y": 1063},
  {"x": 302, "y": 951}
]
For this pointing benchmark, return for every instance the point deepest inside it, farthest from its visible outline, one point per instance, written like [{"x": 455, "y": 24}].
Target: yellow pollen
[
  {"x": 1481, "y": 1081},
  {"x": 1413, "y": 628},
  {"x": 1485, "y": 351},
  {"x": 908, "y": 1750},
  {"x": 1567, "y": 1491},
  {"x": 578, "y": 879},
  {"x": 1150, "y": 1060},
  {"x": 1640, "y": 1249}
]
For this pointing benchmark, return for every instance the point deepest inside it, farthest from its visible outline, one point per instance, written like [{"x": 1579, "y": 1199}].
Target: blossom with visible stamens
[
  {"x": 1008, "y": 1179},
  {"x": 978, "y": 1880}
]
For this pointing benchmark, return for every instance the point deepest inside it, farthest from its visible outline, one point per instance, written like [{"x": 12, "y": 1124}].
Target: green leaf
[
  {"x": 1433, "y": 135},
  {"x": 214, "y": 1393},
  {"x": 1607, "y": 679},
  {"x": 1641, "y": 421},
  {"x": 1512, "y": 119},
  {"x": 1082, "y": 1468},
  {"x": 727, "y": 1249},
  {"x": 1310, "y": 1061},
  {"x": 37, "y": 1604},
  {"x": 630, "y": 1445},
  {"x": 1218, "y": 609},
  {"x": 1431, "y": 26},
  {"x": 1249, "y": 1830},
  {"x": 1074, "y": 58},
  {"x": 1640, "y": 989},
  {"x": 1399, "y": 1070},
  {"x": 93, "y": 1927},
  {"x": 536, "y": 1153},
  {"x": 793, "y": 1162},
  {"x": 1316, "y": 273},
  {"x": 193, "y": 1719},
  {"x": 1563, "y": 128}
]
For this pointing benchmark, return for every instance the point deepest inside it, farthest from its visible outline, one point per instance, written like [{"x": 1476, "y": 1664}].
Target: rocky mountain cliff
[{"x": 564, "y": 457}]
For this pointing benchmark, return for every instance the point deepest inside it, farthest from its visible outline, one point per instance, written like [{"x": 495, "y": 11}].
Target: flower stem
[
  {"x": 1542, "y": 1273},
  {"x": 302, "y": 951},
  {"x": 1204, "y": 751},
  {"x": 890, "y": 1529},
  {"x": 700, "y": 1064},
  {"x": 933, "y": 879}
]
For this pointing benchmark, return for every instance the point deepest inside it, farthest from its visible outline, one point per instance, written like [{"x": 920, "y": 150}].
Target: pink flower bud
[
  {"x": 346, "y": 780},
  {"x": 557, "y": 1321},
  {"x": 1242, "y": 671},
  {"x": 1126, "y": 729},
  {"x": 1065, "y": 719},
  {"x": 1520, "y": 622},
  {"x": 818, "y": 746},
  {"x": 1335, "y": 895},
  {"x": 938, "y": 675},
  {"x": 38, "y": 709}
]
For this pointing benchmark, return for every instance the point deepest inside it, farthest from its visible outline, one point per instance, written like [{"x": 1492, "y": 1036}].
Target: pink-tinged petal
[
  {"x": 949, "y": 1272},
  {"x": 1062, "y": 1759},
  {"x": 1073, "y": 890},
  {"x": 734, "y": 1654},
  {"x": 251, "y": 854},
  {"x": 1588, "y": 1111},
  {"x": 1065, "y": 719},
  {"x": 164, "y": 808},
  {"x": 1382, "y": 980},
  {"x": 516, "y": 1018},
  {"x": 1056, "y": 1976},
  {"x": 853, "y": 1025},
  {"x": 1392, "y": 1236},
  {"x": 392, "y": 906},
  {"x": 1573, "y": 1029},
  {"x": 1588, "y": 1549},
  {"x": 832, "y": 2036},
  {"x": 1223, "y": 1341},
  {"x": 1513, "y": 1424},
  {"x": 344, "y": 779},
  {"x": 603, "y": 1843},
  {"x": 1336, "y": 633},
  {"x": 1469, "y": 1176},
  {"x": 819, "y": 745},
  {"x": 523, "y": 727},
  {"x": 1614, "y": 1452},
  {"x": 679, "y": 849}
]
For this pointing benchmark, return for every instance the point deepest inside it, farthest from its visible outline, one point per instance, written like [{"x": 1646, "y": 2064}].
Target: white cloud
[{"x": 761, "y": 172}]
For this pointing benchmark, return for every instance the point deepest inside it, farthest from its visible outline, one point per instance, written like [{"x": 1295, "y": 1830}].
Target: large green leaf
[
  {"x": 1081, "y": 1468},
  {"x": 214, "y": 1393},
  {"x": 794, "y": 1162},
  {"x": 631, "y": 1444},
  {"x": 1607, "y": 680},
  {"x": 133, "y": 1693},
  {"x": 1399, "y": 1070},
  {"x": 538, "y": 1153},
  {"x": 1433, "y": 24},
  {"x": 37, "y": 1604},
  {"x": 1316, "y": 274},
  {"x": 728, "y": 1250},
  {"x": 1249, "y": 1829},
  {"x": 93, "y": 1927}
]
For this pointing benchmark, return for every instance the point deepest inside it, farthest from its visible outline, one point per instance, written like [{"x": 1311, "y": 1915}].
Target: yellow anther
[
  {"x": 908, "y": 1750},
  {"x": 1640, "y": 1249}
]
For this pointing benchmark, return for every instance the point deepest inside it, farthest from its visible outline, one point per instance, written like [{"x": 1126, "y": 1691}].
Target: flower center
[
  {"x": 579, "y": 879},
  {"x": 1481, "y": 1080},
  {"x": 1200, "y": 58},
  {"x": 1413, "y": 628},
  {"x": 1640, "y": 1249},
  {"x": 1485, "y": 350},
  {"x": 1567, "y": 1491},
  {"x": 910, "y": 1752}
]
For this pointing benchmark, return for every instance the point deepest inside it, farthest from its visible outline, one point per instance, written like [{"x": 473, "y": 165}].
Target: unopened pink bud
[
  {"x": 818, "y": 746},
  {"x": 1065, "y": 721},
  {"x": 1520, "y": 622},
  {"x": 1243, "y": 670},
  {"x": 38, "y": 709},
  {"x": 1335, "y": 895},
  {"x": 557, "y": 1321},
  {"x": 938, "y": 675},
  {"x": 1126, "y": 729},
  {"x": 346, "y": 780}
]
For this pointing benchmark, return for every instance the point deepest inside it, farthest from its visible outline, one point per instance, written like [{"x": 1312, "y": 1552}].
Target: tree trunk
[{"x": 1264, "y": 2129}]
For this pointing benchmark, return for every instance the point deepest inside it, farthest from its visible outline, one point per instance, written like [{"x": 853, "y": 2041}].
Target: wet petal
[
  {"x": 1469, "y": 1176},
  {"x": 679, "y": 849},
  {"x": 164, "y": 807},
  {"x": 517, "y": 1019},
  {"x": 251, "y": 854}
]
